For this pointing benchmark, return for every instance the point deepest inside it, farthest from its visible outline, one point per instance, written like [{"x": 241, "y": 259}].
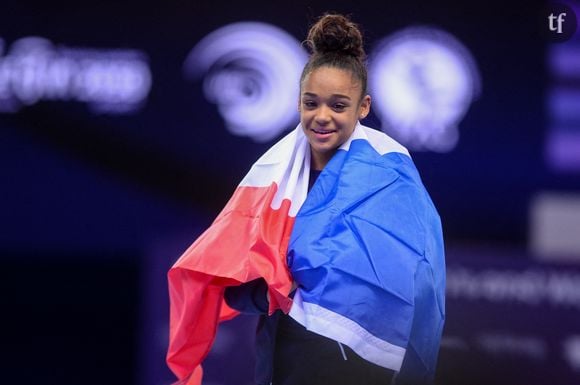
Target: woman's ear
[{"x": 365, "y": 107}]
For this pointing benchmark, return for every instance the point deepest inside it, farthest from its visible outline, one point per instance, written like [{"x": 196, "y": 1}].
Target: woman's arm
[{"x": 248, "y": 298}]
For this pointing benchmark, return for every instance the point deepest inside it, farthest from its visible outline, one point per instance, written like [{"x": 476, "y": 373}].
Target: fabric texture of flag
[{"x": 364, "y": 246}]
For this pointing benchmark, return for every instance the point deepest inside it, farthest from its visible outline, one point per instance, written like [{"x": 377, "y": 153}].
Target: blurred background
[{"x": 126, "y": 125}]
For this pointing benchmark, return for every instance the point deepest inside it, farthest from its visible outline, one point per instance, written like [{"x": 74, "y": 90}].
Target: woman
[{"x": 331, "y": 237}]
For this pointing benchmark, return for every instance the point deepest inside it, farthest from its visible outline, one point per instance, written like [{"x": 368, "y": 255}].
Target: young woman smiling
[{"x": 331, "y": 238}]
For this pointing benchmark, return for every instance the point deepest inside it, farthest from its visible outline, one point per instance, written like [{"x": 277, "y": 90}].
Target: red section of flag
[{"x": 248, "y": 240}]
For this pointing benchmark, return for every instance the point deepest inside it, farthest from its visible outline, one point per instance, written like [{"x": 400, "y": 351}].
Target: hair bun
[{"x": 336, "y": 33}]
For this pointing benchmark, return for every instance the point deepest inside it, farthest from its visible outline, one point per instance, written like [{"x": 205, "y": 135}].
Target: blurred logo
[
  {"x": 251, "y": 71},
  {"x": 531, "y": 347},
  {"x": 108, "y": 81},
  {"x": 423, "y": 81},
  {"x": 531, "y": 287}
]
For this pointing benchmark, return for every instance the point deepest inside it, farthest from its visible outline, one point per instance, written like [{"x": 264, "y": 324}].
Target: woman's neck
[{"x": 319, "y": 160}]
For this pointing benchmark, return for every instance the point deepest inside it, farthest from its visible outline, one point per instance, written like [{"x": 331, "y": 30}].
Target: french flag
[{"x": 364, "y": 246}]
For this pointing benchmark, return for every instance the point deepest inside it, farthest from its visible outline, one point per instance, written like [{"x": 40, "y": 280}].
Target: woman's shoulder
[{"x": 382, "y": 142}]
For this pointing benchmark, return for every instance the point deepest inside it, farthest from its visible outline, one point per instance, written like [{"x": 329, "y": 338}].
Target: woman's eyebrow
[{"x": 341, "y": 96}]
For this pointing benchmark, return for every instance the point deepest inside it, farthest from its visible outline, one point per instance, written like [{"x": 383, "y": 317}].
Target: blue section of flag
[{"x": 367, "y": 244}]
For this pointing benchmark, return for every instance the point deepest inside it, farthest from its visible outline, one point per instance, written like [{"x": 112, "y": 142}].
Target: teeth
[{"x": 322, "y": 132}]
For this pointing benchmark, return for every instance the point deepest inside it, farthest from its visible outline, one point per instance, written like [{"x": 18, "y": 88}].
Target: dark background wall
[{"x": 95, "y": 207}]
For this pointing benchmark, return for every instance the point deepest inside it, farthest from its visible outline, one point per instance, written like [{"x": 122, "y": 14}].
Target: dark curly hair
[{"x": 335, "y": 41}]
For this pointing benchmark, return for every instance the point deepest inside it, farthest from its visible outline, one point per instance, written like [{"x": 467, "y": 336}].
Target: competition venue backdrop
[{"x": 126, "y": 125}]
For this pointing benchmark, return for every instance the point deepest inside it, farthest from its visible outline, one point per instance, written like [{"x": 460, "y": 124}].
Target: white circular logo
[
  {"x": 423, "y": 81},
  {"x": 251, "y": 72}
]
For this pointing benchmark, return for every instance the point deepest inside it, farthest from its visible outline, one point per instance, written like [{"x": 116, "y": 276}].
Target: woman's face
[{"x": 330, "y": 107}]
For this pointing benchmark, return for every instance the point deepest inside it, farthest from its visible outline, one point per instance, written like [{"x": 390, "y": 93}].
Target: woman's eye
[
  {"x": 339, "y": 106},
  {"x": 309, "y": 104}
]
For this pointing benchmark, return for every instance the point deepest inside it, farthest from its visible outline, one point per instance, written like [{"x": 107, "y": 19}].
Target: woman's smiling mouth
[{"x": 322, "y": 132}]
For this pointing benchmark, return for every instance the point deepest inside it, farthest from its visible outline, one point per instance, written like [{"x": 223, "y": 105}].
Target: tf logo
[{"x": 559, "y": 22}]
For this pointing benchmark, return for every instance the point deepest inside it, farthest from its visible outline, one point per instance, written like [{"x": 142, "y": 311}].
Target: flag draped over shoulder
[
  {"x": 247, "y": 240},
  {"x": 367, "y": 252},
  {"x": 364, "y": 247}
]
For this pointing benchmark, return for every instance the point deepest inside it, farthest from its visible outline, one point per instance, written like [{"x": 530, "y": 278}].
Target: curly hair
[{"x": 335, "y": 41}]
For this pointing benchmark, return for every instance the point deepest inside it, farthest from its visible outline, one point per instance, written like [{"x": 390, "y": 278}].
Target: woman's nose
[{"x": 323, "y": 115}]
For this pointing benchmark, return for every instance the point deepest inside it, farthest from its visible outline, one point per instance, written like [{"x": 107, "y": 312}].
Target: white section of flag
[{"x": 339, "y": 328}]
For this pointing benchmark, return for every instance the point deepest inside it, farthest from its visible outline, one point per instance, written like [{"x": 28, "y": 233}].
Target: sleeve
[{"x": 249, "y": 297}]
